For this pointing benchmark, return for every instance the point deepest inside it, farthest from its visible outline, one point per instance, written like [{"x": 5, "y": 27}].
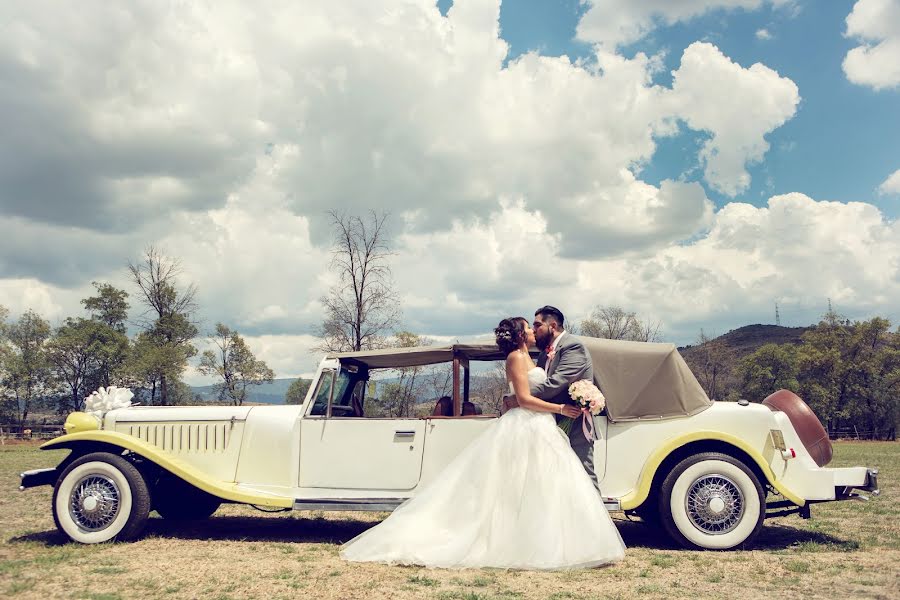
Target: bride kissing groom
[{"x": 517, "y": 497}]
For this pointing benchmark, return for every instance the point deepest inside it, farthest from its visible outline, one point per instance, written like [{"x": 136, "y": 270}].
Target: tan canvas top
[{"x": 640, "y": 380}]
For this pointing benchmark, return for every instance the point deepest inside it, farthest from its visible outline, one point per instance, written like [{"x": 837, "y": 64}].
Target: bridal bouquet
[
  {"x": 590, "y": 399},
  {"x": 106, "y": 399}
]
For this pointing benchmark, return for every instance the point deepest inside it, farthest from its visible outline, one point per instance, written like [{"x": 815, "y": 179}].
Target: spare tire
[{"x": 807, "y": 425}]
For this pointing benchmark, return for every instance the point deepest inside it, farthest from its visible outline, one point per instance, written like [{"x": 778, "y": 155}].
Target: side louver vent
[{"x": 190, "y": 437}]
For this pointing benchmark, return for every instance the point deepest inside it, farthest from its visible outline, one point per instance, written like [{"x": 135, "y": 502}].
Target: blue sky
[
  {"x": 839, "y": 146},
  {"x": 695, "y": 161}
]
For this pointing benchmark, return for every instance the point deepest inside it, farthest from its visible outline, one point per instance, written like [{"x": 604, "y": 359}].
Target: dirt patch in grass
[{"x": 846, "y": 549}]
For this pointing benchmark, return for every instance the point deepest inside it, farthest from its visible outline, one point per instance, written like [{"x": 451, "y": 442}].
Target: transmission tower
[{"x": 777, "y": 315}]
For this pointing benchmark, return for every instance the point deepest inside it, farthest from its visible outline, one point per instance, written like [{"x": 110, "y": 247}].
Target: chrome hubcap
[
  {"x": 94, "y": 502},
  {"x": 714, "y": 504}
]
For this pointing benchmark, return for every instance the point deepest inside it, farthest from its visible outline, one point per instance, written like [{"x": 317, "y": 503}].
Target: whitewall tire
[
  {"x": 100, "y": 497},
  {"x": 712, "y": 501}
]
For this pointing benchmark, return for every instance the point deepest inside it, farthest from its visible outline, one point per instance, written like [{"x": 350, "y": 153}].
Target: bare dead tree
[
  {"x": 362, "y": 307},
  {"x": 615, "y": 323},
  {"x": 168, "y": 319}
]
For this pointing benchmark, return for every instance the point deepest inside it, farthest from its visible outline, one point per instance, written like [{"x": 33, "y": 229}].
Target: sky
[{"x": 694, "y": 161}]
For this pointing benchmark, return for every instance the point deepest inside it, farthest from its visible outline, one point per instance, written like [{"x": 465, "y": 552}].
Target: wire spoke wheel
[
  {"x": 714, "y": 504},
  {"x": 94, "y": 502},
  {"x": 100, "y": 497}
]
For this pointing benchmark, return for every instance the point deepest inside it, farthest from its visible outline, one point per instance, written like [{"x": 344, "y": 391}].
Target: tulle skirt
[{"x": 517, "y": 498}]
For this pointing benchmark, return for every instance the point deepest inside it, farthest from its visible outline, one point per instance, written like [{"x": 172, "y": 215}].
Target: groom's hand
[{"x": 570, "y": 411}]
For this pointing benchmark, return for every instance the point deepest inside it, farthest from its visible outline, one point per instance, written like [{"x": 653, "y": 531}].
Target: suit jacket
[{"x": 570, "y": 363}]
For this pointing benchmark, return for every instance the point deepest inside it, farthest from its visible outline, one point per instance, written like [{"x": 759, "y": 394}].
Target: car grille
[{"x": 184, "y": 438}]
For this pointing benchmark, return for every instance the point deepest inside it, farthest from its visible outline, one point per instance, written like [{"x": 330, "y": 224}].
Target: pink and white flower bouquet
[
  {"x": 587, "y": 396},
  {"x": 590, "y": 400}
]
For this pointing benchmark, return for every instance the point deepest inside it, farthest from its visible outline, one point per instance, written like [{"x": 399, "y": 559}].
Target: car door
[
  {"x": 341, "y": 451},
  {"x": 446, "y": 437}
]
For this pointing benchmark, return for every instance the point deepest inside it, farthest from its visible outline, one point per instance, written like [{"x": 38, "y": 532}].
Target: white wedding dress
[{"x": 516, "y": 498}]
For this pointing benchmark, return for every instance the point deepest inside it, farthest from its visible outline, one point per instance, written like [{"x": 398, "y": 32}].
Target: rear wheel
[
  {"x": 712, "y": 501},
  {"x": 100, "y": 497}
]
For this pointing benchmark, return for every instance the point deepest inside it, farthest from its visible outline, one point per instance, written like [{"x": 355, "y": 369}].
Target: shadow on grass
[{"x": 319, "y": 530}]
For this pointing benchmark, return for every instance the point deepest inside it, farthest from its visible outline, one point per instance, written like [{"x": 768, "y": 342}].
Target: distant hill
[
  {"x": 745, "y": 340},
  {"x": 266, "y": 393}
]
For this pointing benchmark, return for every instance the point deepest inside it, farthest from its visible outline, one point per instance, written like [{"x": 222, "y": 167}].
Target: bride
[{"x": 516, "y": 498}]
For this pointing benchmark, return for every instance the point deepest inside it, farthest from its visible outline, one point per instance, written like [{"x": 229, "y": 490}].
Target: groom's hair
[{"x": 551, "y": 312}]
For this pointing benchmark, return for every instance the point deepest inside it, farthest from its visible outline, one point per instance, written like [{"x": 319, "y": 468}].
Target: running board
[
  {"x": 369, "y": 504},
  {"x": 383, "y": 504}
]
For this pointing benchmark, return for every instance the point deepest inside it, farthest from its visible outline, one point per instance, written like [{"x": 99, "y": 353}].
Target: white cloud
[
  {"x": 612, "y": 23},
  {"x": 795, "y": 250},
  {"x": 223, "y": 133},
  {"x": 763, "y": 34},
  {"x": 876, "y": 62},
  {"x": 20, "y": 295},
  {"x": 891, "y": 185},
  {"x": 737, "y": 106}
]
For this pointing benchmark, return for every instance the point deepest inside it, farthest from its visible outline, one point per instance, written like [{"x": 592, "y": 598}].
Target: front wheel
[
  {"x": 100, "y": 497},
  {"x": 712, "y": 501}
]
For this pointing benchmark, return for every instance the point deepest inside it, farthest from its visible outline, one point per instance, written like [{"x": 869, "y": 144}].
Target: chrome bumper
[
  {"x": 38, "y": 477},
  {"x": 870, "y": 485}
]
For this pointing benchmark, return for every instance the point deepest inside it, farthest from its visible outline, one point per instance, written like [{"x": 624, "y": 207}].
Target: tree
[
  {"x": 770, "y": 368},
  {"x": 147, "y": 364},
  {"x": 296, "y": 393},
  {"x": 490, "y": 387},
  {"x": 28, "y": 372},
  {"x": 73, "y": 355},
  {"x": 850, "y": 374},
  {"x": 110, "y": 306},
  {"x": 398, "y": 397},
  {"x": 614, "y": 323},
  {"x": 5, "y": 357},
  {"x": 711, "y": 363},
  {"x": 235, "y": 364},
  {"x": 362, "y": 306},
  {"x": 168, "y": 319}
]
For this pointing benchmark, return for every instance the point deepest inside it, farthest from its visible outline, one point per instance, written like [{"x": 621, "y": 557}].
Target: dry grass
[{"x": 846, "y": 550}]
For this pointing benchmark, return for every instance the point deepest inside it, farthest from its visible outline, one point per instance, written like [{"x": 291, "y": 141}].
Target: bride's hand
[{"x": 570, "y": 411}]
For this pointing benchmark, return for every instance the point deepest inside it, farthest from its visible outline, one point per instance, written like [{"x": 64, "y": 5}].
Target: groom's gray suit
[{"x": 571, "y": 362}]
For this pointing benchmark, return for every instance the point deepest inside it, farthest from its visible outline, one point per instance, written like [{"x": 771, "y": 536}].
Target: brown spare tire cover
[{"x": 805, "y": 422}]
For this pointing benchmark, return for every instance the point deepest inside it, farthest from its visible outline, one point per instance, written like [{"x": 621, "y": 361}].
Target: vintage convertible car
[{"x": 707, "y": 472}]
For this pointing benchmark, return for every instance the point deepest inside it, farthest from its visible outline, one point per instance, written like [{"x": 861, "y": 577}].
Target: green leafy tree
[
  {"x": 5, "y": 357},
  {"x": 770, "y": 368},
  {"x": 28, "y": 374},
  {"x": 712, "y": 363},
  {"x": 297, "y": 391},
  {"x": 167, "y": 320},
  {"x": 149, "y": 363},
  {"x": 850, "y": 374},
  {"x": 72, "y": 353},
  {"x": 235, "y": 364},
  {"x": 110, "y": 306}
]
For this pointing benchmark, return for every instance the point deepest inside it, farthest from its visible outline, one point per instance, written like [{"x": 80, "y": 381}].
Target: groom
[{"x": 566, "y": 361}]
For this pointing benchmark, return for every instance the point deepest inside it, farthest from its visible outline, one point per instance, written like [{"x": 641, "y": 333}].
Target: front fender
[
  {"x": 194, "y": 476},
  {"x": 642, "y": 490}
]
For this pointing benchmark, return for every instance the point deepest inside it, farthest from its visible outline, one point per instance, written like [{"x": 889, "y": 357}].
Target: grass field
[{"x": 849, "y": 550}]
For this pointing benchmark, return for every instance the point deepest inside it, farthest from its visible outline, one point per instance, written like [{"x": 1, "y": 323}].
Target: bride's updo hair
[{"x": 510, "y": 333}]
